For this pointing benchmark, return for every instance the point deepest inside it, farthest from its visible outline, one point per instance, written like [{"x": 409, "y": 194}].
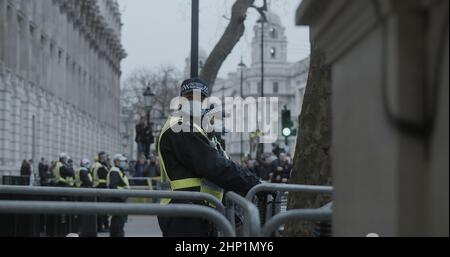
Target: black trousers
[
  {"x": 117, "y": 226},
  {"x": 186, "y": 227},
  {"x": 87, "y": 224},
  {"x": 102, "y": 220}
]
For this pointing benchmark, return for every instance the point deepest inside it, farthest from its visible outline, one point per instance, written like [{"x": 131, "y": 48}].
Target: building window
[
  {"x": 276, "y": 88},
  {"x": 273, "y": 33},
  {"x": 59, "y": 55},
  {"x": 258, "y": 88},
  {"x": 32, "y": 30},
  {"x": 273, "y": 53},
  {"x": 20, "y": 22},
  {"x": 43, "y": 41},
  {"x": 52, "y": 47}
]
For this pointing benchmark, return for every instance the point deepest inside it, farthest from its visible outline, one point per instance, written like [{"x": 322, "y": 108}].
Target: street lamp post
[
  {"x": 148, "y": 102},
  {"x": 194, "y": 38},
  {"x": 262, "y": 20},
  {"x": 242, "y": 66}
]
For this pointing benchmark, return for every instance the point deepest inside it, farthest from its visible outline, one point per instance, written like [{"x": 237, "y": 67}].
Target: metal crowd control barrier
[
  {"x": 267, "y": 213},
  {"x": 322, "y": 214},
  {"x": 268, "y": 187},
  {"x": 251, "y": 220},
  {"x": 174, "y": 210},
  {"x": 111, "y": 193}
]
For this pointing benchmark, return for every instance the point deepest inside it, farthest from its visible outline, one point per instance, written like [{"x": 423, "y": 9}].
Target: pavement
[{"x": 140, "y": 226}]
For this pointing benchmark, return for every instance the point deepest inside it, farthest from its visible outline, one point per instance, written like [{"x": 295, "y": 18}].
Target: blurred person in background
[
  {"x": 25, "y": 169},
  {"x": 140, "y": 166},
  {"x": 281, "y": 169},
  {"x": 151, "y": 170},
  {"x": 117, "y": 179},
  {"x": 45, "y": 174}
]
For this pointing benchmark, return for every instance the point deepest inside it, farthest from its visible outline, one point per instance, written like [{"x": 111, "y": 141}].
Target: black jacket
[
  {"x": 191, "y": 155},
  {"x": 86, "y": 182},
  {"x": 25, "y": 170},
  {"x": 102, "y": 173},
  {"x": 65, "y": 172}
]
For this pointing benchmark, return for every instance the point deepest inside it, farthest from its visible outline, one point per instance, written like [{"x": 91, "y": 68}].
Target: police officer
[
  {"x": 62, "y": 172},
  {"x": 83, "y": 179},
  {"x": 190, "y": 161},
  {"x": 99, "y": 174},
  {"x": 117, "y": 179},
  {"x": 64, "y": 177}
]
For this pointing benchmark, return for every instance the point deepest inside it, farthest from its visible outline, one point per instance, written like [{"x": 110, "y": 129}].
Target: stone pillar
[
  {"x": 3, "y": 29},
  {"x": 64, "y": 130},
  {"x": 80, "y": 137},
  {"x": 39, "y": 119},
  {"x": 23, "y": 52},
  {"x": 15, "y": 124},
  {"x": 57, "y": 130},
  {"x": 386, "y": 56},
  {"x": 94, "y": 136},
  {"x": 5, "y": 122},
  {"x": 47, "y": 129},
  {"x": 12, "y": 38},
  {"x": 27, "y": 122},
  {"x": 52, "y": 121}
]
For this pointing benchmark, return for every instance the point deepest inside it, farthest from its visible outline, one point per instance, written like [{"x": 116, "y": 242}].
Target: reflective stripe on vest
[
  {"x": 123, "y": 177},
  {"x": 174, "y": 185},
  {"x": 58, "y": 178},
  {"x": 57, "y": 173},
  {"x": 97, "y": 181}
]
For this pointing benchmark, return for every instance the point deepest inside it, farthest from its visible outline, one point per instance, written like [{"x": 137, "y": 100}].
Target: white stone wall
[{"x": 59, "y": 62}]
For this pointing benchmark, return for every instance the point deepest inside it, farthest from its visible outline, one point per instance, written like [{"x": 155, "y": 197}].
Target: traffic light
[{"x": 287, "y": 124}]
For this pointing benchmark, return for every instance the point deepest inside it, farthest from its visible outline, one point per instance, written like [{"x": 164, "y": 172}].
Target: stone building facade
[{"x": 59, "y": 79}]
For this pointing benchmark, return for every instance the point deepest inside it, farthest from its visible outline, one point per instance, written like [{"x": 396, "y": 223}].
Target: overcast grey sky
[{"x": 157, "y": 32}]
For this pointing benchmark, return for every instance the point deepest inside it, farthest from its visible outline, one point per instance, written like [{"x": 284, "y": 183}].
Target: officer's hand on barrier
[
  {"x": 264, "y": 195},
  {"x": 261, "y": 195}
]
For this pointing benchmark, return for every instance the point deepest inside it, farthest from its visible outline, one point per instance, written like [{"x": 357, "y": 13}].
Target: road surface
[{"x": 140, "y": 226}]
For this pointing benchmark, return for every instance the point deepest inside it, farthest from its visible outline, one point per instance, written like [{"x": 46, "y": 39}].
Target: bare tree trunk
[
  {"x": 233, "y": 33},
  {"x": 312, "y": 160}
]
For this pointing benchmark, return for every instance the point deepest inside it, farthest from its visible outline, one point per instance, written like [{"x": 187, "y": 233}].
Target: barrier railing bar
[
  {"x": 83, "y": 192},
  {"x": 173, "y": 210},
  {"x": 251, "y": 217},
  {"x": 269, "y": 187},
  {"x": 322, "y": 214}
]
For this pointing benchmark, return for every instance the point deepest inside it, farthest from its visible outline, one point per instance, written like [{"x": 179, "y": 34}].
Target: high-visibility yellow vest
[
  {"x": 78, "y": 181},
  {"x": 58, "y": 178},
  {"x": 176, "y": 185},
  {"x": 97, "y": 181},
  {"x": 122, "y": 176}
]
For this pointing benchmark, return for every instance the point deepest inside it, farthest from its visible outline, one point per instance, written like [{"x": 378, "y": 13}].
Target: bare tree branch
[
  {"x": 163, "y": 81},
  {"x": 233, "y": 33}
]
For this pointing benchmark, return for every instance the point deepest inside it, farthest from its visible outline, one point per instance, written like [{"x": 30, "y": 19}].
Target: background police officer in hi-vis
[
  {"x": 191, "y": 161},
  {"x": 99, "y": 174},
  {"x": 118, "y": 180}
]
